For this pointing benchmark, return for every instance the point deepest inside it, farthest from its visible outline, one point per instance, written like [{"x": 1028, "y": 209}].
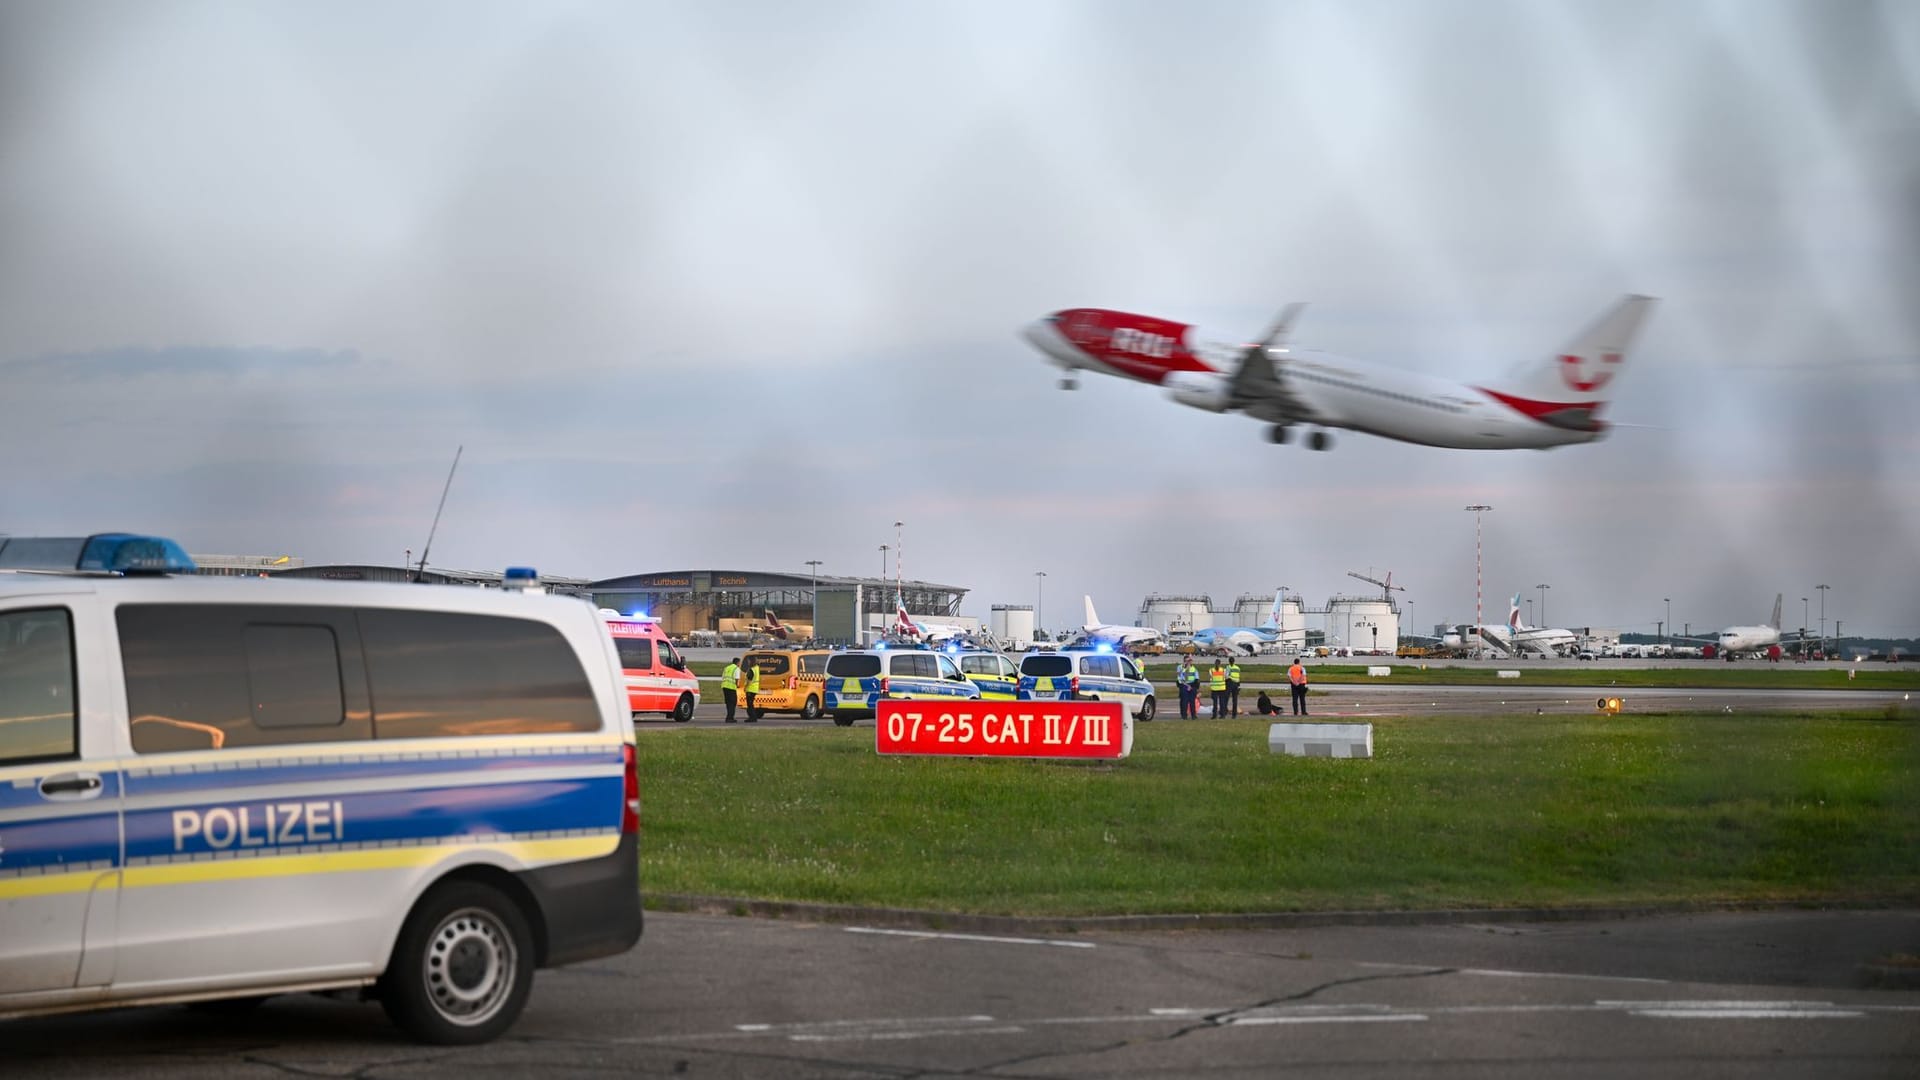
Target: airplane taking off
[
  {"x": 1735, "y": 640},
  {"x": 1248, "y": 639},
  {"x": 1537, "y": 638},
  {"x": 1541, "y": 404},
  {"x": 1096, "y": 632}
]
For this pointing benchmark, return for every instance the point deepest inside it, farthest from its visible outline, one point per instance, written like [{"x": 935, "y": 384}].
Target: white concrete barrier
[
  {"x": 1379, "y": 672},
  {"x": 1321, "y": 740},
  {"x": 1507, "y": 674}
]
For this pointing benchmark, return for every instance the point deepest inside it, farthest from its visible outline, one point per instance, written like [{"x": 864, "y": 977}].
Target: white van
[
  {"x": 1087, "y": 675},
  {"x": 233, "y": 788}
]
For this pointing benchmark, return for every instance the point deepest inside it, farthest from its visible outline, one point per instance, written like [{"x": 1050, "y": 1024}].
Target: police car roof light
[
  {"x": 520, "y": 577},
  {"x": 103, "y": 553}
]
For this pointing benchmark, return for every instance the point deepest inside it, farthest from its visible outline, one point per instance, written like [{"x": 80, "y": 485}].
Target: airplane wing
[{"x": 1259, "y": 386}]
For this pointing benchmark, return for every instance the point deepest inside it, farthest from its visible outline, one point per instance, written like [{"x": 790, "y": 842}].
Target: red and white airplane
[{"x": 1542, "y": 403}]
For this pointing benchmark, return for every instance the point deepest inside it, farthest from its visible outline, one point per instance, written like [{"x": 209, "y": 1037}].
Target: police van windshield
[
  {"x": 853, "y": 665},
  {"x": 1046, "y": 667}
]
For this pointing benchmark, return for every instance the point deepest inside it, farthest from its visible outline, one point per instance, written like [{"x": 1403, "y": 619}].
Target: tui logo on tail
[{"x": 1585, "y": 378}]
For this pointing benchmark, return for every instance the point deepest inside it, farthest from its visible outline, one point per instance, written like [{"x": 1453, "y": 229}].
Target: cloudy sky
[{"x": 738, "y": 285}]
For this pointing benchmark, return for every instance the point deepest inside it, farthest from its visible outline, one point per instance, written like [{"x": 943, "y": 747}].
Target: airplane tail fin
[
  {"x": 1775, "y": 621},
  {"x": 903, "y": 624},
  {"x": 1513, "y": 613},
  {"x": 1574, "y": 383},
  {"x": 1092, "y": 619},
  {"x": 1273, "y": 614}
]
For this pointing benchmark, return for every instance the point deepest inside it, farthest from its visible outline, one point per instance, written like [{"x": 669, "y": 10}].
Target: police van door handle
[{"x": 71, "y": 786}]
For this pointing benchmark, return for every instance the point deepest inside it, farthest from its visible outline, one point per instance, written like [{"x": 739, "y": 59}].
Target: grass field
[{"x": 1453, "y": 812}]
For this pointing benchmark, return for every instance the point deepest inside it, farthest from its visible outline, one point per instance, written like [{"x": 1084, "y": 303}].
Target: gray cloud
[{"x": 706, "y": 284}]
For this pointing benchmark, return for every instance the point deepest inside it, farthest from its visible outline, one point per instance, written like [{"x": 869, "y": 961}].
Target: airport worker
[
  {"x": 1217, "y": 684},
  {"x": 1297, "y": 677},
  {"x": 1233, "y": 686},
  {"x": 729, "y": 682},
  {"x": 1187, "y": 678},
  {"x": 1264, "y": 705},
  {"x": 751, "y": 684}
]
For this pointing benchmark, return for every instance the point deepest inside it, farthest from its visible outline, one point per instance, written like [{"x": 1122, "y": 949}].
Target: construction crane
[{"x": 1387, "y": 587}]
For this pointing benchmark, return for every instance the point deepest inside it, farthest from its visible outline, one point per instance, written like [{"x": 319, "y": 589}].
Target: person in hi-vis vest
[
  {"x": 1217, "y": 685},
  {"x": 729, "y": 686},
  {"x": 1297, "y": 676}
]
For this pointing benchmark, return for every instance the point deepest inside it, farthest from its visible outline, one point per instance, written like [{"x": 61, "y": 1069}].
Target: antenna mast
[{"x": 436, "y": 514}]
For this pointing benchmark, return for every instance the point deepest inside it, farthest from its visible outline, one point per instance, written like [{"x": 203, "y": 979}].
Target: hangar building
[{"x": 737, "y": 601}]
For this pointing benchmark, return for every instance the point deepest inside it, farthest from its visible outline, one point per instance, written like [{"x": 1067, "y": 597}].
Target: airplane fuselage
[{"x": 1322, "y": 389}]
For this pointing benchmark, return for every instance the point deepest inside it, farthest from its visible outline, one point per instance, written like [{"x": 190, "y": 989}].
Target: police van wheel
[
  {"x": 463, "y": 967},
  {"x": 1146, "y": 709},
  {"x": 683, "y": 709},
  {"x": 810, "y": 710}
]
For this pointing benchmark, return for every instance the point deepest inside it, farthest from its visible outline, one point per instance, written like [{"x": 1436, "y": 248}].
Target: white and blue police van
[
  {"x": 225, "y": 789},
  {"x": 858, "y": 680},
  {"x": 1097, "y": 674}
]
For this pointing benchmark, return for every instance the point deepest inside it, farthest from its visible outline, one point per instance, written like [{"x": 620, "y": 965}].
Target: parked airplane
[
  {"x": 1541, "y": 404},
  {"x": 904, "y": 626},
  {"x": 776, "y": 627},
  {"x": 1737, "y": 640},
  {"x": 1537, "y": 639},
  {"x": 1096, "y": 632},
  {"x": 1248, "y": 639}
]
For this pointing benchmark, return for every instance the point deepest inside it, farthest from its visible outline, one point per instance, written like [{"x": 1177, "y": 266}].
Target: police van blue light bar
[{"x": 104, "y": 553}]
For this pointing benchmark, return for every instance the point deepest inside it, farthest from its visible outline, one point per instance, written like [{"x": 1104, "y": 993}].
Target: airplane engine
[{"x": 1199, "y": 390}]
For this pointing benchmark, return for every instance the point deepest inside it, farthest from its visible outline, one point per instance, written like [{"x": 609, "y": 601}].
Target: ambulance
[
  {"x": 220, "y": 789},
  {"x": 656, "y": 674}
]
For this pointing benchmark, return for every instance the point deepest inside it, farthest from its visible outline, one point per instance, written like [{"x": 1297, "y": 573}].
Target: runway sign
[{"x": 1093, "y": 730}]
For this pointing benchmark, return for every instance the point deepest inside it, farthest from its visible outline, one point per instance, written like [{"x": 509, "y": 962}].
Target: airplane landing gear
[
  {"x": 1319, "y": 440},
  {"x": 1067, "y": 382},
  {"x": 1280, "y": 434}
]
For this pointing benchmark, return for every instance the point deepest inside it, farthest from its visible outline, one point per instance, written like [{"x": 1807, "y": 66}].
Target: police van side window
[
  {"x": 438, "y": 673},
  {"x": 1106, "y": 667},
  {"x": 229, "y": 676},
  {"x": 38, "y": 721},
  {"x": 293, "y": 674}
]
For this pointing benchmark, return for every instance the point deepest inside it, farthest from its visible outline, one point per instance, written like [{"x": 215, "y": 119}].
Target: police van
[
  {"x": 995, "y": 675},
  {"x": 1086, "y": 675},
  {"x": 857, "y": 681},
  {"x": 233, "y": 788}
]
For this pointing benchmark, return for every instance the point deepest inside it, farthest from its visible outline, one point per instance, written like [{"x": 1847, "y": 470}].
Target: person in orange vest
[{"x": 1297, "y": 676}]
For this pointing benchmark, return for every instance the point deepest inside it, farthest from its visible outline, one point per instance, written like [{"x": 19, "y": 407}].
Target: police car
[
  {"x": 995, "y": 675},
  {"x": 857, "y": 681},
  {"x": 1086, "y": 675},
  {"x": 230, "y": 788}
]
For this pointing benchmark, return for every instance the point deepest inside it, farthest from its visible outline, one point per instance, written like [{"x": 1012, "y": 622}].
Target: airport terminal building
[{"x": 733, "y": 602}]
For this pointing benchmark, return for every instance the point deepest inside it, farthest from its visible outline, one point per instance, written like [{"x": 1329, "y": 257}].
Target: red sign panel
[{"x": 1049, "y": 729}]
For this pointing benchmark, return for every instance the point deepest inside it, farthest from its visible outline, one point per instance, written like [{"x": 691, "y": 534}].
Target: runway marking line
[{"x": 993, "y": 939}]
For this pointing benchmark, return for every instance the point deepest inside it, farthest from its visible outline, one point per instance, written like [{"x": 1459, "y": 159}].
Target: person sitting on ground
[{"x": 1265, "y": 705}]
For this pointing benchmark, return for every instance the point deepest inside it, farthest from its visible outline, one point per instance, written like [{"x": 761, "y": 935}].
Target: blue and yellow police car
[
  {"x": 858, "y": 680},
  {"x": 1086, "y": 675},
  {"x": 228, "y": 788}
]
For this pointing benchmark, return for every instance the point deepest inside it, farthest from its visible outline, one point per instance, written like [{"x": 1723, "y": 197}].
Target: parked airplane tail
[
  {"x": 1572, "y": 384},
  {"x": 1274, "y": 620},
  {"x": 904, "y": 624},
  {"x": 1775, "y": 621},
  {"x": 1092, "y": 619},
  {"x": 1513, "y": 613}
]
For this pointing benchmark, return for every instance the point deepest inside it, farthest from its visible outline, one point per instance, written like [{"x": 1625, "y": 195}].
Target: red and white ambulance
[{"x": 656, "y": 674}]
